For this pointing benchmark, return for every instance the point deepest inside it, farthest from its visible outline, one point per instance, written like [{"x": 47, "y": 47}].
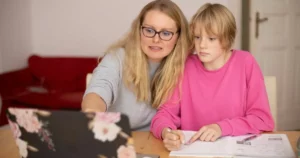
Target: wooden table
[{"x": 145, "y": 143}]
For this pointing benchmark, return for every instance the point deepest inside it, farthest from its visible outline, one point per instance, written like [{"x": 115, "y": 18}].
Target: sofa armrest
[{"x": 11, "y": 83}]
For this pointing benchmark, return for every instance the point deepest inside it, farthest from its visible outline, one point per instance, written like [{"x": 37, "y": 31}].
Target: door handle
[{"x": 258, "y": 20}]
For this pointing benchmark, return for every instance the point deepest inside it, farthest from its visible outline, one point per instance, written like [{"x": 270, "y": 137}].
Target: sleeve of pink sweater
[
  {"x": 258, "y": 117},
  {"x": 167, "y": 115}
]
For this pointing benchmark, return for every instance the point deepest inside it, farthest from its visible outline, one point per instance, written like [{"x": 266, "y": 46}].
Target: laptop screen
[{"x": 48, "y": 134}]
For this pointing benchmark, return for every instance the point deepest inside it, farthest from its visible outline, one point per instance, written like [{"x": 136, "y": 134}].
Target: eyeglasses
[{"x": 163, "y": 35}]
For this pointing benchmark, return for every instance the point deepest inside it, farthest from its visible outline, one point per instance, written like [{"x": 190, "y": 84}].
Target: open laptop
[{"x": 71, "y": 134}]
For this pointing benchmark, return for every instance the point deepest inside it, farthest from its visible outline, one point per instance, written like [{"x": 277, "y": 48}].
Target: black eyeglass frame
[{"x": 158, "y": 32}]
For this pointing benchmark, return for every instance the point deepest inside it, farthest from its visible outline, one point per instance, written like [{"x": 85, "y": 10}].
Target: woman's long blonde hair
[{"x": 136, "y": 67}]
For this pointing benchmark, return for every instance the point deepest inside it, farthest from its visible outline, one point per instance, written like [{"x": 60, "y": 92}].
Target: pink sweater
[{"x": 234, "y": 97}]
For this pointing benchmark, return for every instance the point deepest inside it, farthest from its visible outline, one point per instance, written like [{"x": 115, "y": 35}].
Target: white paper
[
  {"x": 265, "y": 145},
  {"x": 208, "y": 149}
]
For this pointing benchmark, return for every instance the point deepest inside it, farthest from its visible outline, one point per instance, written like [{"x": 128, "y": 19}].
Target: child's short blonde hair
[{"x": 216, "y": 20}]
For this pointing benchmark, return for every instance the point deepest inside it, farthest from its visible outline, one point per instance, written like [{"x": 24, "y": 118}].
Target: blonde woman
[
  {"x": 222, "y": 91},
  {"x": 138, "y": 73}
]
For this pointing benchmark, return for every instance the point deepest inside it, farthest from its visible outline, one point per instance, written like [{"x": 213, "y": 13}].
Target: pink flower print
[
  {"x": 13, "y": 111},
  {"x": 126, "y": 152},
  {"x": 15, "y": 128},
  {"x": 107, "y": 117},
  {"x": 22, "y": 145},
  {"x": 28, "y": 120},
  {"x": 18, "y": 112},
  {"x": 32, "y": 124},
  {"x": 105, "y": 131}
]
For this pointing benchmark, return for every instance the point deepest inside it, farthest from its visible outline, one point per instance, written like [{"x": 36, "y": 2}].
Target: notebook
[
  {"x": 264, "y": 146},
  {"x": 74, "y": 134}
]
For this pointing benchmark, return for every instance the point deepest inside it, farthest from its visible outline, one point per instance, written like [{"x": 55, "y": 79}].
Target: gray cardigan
[{"x": 107, "y": 82}]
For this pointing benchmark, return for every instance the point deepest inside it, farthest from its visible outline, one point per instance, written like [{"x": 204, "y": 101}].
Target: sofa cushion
[
  {"x": 62, "y": 74},
  {"x": 67, "y": 100}
]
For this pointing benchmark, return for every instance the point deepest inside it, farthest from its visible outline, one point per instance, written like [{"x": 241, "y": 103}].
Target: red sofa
[{"x": 47, "y": 83}]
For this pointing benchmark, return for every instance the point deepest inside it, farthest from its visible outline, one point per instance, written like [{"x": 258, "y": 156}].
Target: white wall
[
  {"x": 1, "y": 8},
  {"x": 15, "y": 33},
  {"x": 1, "y": 62},
  {"x": 236, "y": 8},
  {"x": 74, "y": 27}
]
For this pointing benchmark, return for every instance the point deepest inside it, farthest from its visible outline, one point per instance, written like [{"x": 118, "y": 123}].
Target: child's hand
[
  {"x": 172, "y": 139},
  {"x": 207, "y": 133}
]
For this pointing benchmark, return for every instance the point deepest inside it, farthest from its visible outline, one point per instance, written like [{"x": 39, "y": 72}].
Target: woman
[{"x": 142, "y": 69}]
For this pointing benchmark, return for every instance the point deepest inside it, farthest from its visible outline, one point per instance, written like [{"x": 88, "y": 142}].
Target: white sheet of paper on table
[
  {"x": 208, "y": 149},
  {"x": 266, "y": 145}
]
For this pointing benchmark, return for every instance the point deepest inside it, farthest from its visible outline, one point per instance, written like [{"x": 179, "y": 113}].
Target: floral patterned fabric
[{"x": 46, "y": 134}]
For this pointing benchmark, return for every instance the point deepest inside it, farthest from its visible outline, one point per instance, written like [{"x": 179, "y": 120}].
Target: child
[{"x": 222, "y": 91}]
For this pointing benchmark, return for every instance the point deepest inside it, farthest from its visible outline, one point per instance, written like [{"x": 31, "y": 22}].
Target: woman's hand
[
  {"x": 207, "y": 133},
  {"x": 172, "y": 139}
]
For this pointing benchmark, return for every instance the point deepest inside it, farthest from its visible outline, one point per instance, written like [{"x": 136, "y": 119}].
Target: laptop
[{"x": 71, "y": 134}]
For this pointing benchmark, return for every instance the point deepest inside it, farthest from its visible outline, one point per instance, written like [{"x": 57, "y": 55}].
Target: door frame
[{"x": 245, "y": 45}]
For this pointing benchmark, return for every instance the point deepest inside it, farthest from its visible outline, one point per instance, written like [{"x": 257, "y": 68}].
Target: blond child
[{"x": 222, "y": 91}]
